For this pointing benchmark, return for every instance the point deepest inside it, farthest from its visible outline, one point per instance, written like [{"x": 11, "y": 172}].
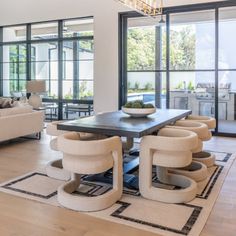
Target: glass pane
[
  {"x": 68, "y": 90},
  {"x": 86, "y": 50},
  {"x": 141, "y": 86},
  {"x": 68, "y": 50},
  {"x": 226, "y": 106},
  {"x": 44, "y": 70},
  {"x": 14, "y": 53},
  {"x": 86, "y": 70},
  {"x": 74, "y": 110},
  {"x": 194, "y": 91},
  {"x": 11, "y": 86},
  {"x": 79, "y": 90},
  {"x": 44, "y": 31},
  {"x": 14, "y": 71},
  {"x": 192, "y": 40},
  {"x": 52, "y": 89},
  {"x": 227, "y": 38},
  {"x": 86, "y": 90},
  {"x": 14, "y": 33},
  {"x": 78, "y": 27},
  {"x": 146, "y": 44},
  {"x": 77, "y": 66},
  {"x": 44, "y": 51}
]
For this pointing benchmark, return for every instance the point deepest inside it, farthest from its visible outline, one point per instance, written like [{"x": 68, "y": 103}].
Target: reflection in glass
[
  {"x": 146, "y": 44},
  {"x": 194, "y": 91},
  {"x": 78, "y": 27},
  {"x": 44, "y": 31},
  {"x": 14, "y": 33},
  {"x": 227, "y": 38},
  {"x": 192, "y": 40}
]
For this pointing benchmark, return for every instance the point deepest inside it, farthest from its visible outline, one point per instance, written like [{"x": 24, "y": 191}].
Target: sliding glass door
[
  {"x": 192, "y": 62},
  {"x": 186, "y": 63},
  {"x": 227, "y": 71},
  {"x": 145, "y": 64}
]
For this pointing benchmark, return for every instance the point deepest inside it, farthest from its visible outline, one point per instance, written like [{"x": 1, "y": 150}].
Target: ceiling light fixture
[{"x": 152, "y": 8}]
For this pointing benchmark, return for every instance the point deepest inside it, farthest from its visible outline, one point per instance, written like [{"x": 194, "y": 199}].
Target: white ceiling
[{"x": 15, "y": 11}]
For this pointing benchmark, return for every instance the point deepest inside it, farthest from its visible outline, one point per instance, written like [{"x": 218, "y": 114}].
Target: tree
[{"x": 141, "y": 48}]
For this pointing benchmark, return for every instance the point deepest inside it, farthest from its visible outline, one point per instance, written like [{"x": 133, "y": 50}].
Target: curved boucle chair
[
  {"x": 209, "y": 121},
  {"x": 196, "y": 170},
  {"x": 90, "y": 157},
  {"x": 170, "y": 149},
  {"x": 202, "y": 156},
  {"x": 54, "y": 169}
]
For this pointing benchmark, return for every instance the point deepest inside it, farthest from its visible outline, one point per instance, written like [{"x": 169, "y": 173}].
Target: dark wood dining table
[{"x": 120, "y": 124}]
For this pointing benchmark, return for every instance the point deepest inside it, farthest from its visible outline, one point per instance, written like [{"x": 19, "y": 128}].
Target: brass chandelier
[{"x": 151, "y": 8}]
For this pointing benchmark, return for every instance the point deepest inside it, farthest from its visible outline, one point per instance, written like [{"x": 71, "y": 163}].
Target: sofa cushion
[{"x": 15, "y": 111}]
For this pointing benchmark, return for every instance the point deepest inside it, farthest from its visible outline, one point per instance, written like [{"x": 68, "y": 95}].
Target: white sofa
[{"x": 20, "y": 121}]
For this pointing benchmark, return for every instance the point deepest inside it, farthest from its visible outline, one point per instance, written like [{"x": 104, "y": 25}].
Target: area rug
[{"x": 133, "y": 210}]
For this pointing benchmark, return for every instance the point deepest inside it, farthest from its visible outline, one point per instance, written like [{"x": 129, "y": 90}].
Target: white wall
[{"x": 105, "y": 14}]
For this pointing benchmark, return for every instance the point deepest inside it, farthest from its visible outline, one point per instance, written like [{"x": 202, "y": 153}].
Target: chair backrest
[
  {"x": 199, "y": 128},
  {"x": 72, "y": 144},
  {"x": 52, "y": 129},
  {"x": 171, "y": 140},
  {"x": 209, "y": 121}
]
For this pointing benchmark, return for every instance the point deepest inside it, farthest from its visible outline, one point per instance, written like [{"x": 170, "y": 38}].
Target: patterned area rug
[{"x": 132, "y": 209}]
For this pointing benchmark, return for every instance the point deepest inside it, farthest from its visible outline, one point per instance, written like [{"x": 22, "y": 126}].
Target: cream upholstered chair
[
  {"x": 202, "y": 156},
  {"x": 209, "y": 121},
  {"x": 170, "y": 149},
  {"x": 54, "y": 169},
  {"x": 90, "y": 157},
  {"x": 196, "y": 170}
]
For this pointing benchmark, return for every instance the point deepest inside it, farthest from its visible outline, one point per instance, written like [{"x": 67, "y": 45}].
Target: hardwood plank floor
[{"x": 25, "y": 218}]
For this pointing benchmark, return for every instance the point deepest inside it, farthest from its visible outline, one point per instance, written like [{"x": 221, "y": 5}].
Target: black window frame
[
  {"x": 61, "y": 65},
  {"x": 123, "y": 26}
]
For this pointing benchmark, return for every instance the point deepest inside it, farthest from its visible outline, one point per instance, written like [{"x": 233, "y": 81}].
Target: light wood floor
[{"x": 28, "y": 218}]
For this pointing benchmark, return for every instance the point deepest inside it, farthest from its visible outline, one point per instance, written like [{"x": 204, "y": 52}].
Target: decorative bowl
[{"x": 139, "y": 112}]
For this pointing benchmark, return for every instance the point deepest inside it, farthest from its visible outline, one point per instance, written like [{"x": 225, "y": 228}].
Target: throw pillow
[{"x": 5, "y": 103}]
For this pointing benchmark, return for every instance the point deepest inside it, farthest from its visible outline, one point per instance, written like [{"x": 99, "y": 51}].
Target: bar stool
[
  {"x": 170, "y": 149},
  {"x": 86, "y": 158},
  {"x": 196, "y": 170},
  {"x": 202, "y": 156}
]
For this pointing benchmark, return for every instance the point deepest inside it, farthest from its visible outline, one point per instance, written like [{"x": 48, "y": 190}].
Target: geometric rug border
[
  {"x": 184, "y": 231},
  {"x": 214, "y": 176},
  {"x": 8, "y": 186}
]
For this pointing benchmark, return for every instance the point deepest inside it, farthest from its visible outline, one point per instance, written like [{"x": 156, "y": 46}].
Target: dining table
[{"x": 120, "y": 124}]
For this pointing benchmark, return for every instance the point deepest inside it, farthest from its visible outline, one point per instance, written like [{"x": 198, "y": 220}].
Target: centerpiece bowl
[{"x": 138, "y": 109}]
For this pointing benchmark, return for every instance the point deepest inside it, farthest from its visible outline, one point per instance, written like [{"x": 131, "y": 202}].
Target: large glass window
[
  {"x": 78, "y": 27},
  {"x": 78, "y": 69},
  {"x": 44, "y": 65},
  {"x": 181, "y": 64},
  {"x": 146, "y": 60},
  {"x": 192, "y": 57},
  {"x": 14, "y": 33},
  {"x": 64, "y": 59},
  {"x": 192, "y": 40},
  {"x": 227, "y": 70},
  {"x": 14, "y": 69}
]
